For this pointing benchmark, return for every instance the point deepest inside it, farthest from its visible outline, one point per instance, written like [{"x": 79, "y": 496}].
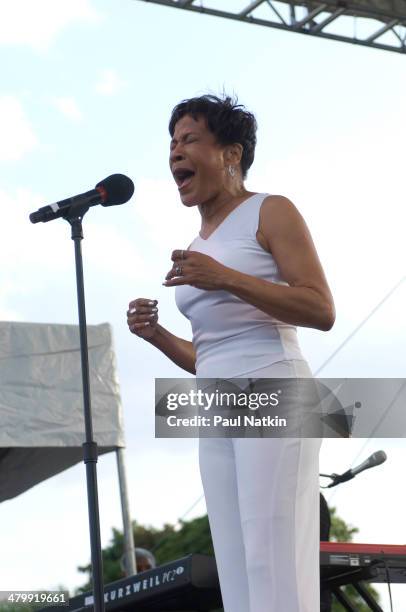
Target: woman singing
[{"x": 245, "y": 282}]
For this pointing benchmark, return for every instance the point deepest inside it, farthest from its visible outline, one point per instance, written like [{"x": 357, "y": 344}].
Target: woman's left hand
[{"x": 196, "y": 269}]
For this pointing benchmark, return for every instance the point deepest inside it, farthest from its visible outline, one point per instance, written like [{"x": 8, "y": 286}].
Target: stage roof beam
[
  {"x": 328, "y": 20},
  {"x": 309, "y": 16},
  {"x": 383, "y": 17},
  {"x": 255, "y": 4},
  {"x": 382, "y": 30}
]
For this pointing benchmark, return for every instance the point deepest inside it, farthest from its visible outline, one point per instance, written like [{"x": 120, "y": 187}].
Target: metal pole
[
  {"x": 129, "y": 550},
  {"x": 89, "y": 446}
]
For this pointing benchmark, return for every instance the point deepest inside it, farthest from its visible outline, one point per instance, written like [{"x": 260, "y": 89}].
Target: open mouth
[{"x": 183, "y": 177}]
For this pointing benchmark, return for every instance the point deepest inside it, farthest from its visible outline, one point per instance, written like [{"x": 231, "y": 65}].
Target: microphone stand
[
  {"x": 74, "y": 216},
  {"x": 333, "y": 482}
]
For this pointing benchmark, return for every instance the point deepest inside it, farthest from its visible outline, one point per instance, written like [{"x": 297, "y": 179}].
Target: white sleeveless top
[{"x": 231, "y": 337}]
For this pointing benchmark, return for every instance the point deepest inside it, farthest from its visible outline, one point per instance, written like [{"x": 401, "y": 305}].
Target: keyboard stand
[{"x": 355, "y": 578}]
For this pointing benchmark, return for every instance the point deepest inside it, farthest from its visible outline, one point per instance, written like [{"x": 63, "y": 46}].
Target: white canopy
[{"x": 41, "y": 401}]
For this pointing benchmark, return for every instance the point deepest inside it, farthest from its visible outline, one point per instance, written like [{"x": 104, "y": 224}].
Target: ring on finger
[{"x": 178, "y": 270}]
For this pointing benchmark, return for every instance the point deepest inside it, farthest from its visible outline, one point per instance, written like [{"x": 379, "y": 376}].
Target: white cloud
[
  {"x": 37, "y": 24},
  {"x": 17, "y": 135},
  {"x": 69, "y": 107},
  {"x": 109, "y": 83}
]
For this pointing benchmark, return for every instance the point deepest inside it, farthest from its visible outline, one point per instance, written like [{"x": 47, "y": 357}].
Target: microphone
[
  {"x": 115, "y": 189},
  {"x": 372, "y": 461}
]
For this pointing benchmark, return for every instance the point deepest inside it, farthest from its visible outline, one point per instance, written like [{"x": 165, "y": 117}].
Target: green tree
[
  {"x": 341, "y": 532},
  {"x": 194, "y": 536},
  {"x": 144, "y": 537}
]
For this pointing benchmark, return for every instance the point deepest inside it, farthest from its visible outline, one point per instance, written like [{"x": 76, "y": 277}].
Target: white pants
[{"x": 263, "y": 504}]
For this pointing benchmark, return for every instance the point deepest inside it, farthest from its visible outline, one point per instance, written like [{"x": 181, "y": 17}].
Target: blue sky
[{"x": 87, "y": 90}]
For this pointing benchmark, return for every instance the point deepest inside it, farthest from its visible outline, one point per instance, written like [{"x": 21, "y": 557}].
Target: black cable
[{"x": 388, "y": 580}]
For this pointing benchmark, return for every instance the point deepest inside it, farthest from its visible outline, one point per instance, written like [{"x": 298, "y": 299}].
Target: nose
[{"x": 176, "y": 153}]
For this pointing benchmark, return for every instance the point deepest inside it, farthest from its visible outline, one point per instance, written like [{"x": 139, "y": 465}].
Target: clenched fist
[{"x": 142, "y": 317}]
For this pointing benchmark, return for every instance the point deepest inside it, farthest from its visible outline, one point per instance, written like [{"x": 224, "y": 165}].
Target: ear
[{"x": 233, "y": 153}]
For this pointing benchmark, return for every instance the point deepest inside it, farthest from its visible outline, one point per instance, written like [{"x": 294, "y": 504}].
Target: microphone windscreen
[
  {"x": 379, "y": 457},
  {"x": 118, "y": 188}
]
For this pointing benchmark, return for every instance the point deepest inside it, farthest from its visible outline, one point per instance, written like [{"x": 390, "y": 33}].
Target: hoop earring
[{"x": 231, "y": 170}]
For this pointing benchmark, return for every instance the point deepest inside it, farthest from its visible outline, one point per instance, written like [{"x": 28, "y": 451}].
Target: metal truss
[{"x": 380, "y": 24}]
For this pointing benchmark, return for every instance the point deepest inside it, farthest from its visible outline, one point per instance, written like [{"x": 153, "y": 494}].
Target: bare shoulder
[
  {"x": 278, "y": 205},
  {"x": 278, "y": 217}
]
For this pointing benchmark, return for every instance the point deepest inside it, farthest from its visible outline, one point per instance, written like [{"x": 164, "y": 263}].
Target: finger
[
  {"x": 179, "y": 254},
  {"x": 171, "y": 273},
  {"x": 174, "y": 273},
  {"x": 139, "y": 326},
  {"x": 141, "y": 310},
  {"x": 178, "y": 280},
  {"x": 131, "y": 319},
  {"x": 141, "y": 304}
]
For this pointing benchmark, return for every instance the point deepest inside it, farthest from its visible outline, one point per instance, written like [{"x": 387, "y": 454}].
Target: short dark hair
[{"x": 228, "y": 121}]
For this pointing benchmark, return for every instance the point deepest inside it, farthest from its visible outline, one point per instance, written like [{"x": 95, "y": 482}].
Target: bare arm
[
  {"x": 142, "y": 319},
  {"x": 178, "y": 350},
  {"x": 307, "y": 300}
]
